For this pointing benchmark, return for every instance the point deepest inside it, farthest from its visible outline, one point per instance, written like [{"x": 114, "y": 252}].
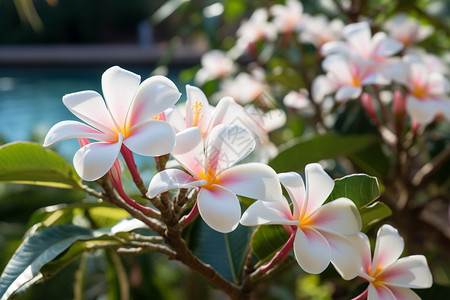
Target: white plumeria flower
[
  {"x": 300, "y": 102},
  {"x": 255, "y": 29},
  {"x": 427, "y": 91},
  {"x": 254, "y": 84},
  {"x": 407, "y": 30},
  {"x": 346, "y": 76},
  {"x": 390, "y": 277},
  {"x": 126, "y": 119},
  {"x": 212, "y": 169},
  {"x": 318, "y": 30},
  {"x": 322, "y": 232},
  {"x": 215, "y": 64},
  {"x": 287, "y": 18}
]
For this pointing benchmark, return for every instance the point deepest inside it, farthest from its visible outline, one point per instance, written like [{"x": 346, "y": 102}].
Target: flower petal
[
  {"x": 90, "y": 107},
  {"x": 119, "y": 87},
  {"x": 293, "y": 183},
  {"x": 322, "y": 86},
  {"x": 94, "y": 160},
  {"x": 189, "y": 150},
  {"x": 421, "y": 111},
  {"x": 404, "y": 293},
  {"x": 438, "y": 84},
  {"x": 264, "y": 212},
  {"x": 153, "y": 138},
  {"x": 226, "y": 145},
  {"x": 311, "y": 250},
  {"x": 171, "y": 179},
  {"x": 384, "y": 45},
  {"x": 380, "y": 292},
  {"x": 444, "y": 107},
  {"x": 348, "y": 92},
  {"x": 197, "y": 107},
  {"x": 219, "y": 208},
  {"x": 153, "y": 96},
  {"x": 72, "y": 129},
  {"x": 339, "y": 216},
  {"x": 388, "y": 248},
  {"x": 334, "y": 47},
  {"x": 253, "y": 180},
  {"x": 363, "y": 244},
  {"x": 411, "y": 272},
  {"x": 318, "y": 187}
]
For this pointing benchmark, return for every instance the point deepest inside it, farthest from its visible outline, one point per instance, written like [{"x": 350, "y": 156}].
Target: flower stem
[
  {"x": 129, "y": 160},
  {"x": 187, "y": 219}
]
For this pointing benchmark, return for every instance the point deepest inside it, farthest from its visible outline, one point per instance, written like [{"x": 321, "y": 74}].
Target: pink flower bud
[
  {"x": 399, "y": 104},
  {"x": 367, "y": 103}
]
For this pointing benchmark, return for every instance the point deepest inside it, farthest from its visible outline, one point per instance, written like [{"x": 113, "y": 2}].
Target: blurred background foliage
[{"x": 212, "y": 24}]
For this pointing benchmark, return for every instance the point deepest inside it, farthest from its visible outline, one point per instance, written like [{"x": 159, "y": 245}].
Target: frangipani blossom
[
  {"x": 318, "y": 30},
  {"x": 215, "y": 64},
  {"x": 389, "y": 277},
  {"x": 407, "y": 30},
  {"x": 427, "y": 91},
  {"x": 322, "y": 232},
  {"x": 125, "y": 120},
  {"x": 245, "y": 87},
  {"x": 287, "y": 18},
  {"x": 212, "y": 169}
]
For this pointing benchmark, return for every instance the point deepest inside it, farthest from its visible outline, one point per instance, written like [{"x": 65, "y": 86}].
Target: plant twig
[{"x": 424, "y": 173}]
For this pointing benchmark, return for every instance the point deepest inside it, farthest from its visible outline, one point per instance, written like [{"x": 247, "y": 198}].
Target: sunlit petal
[
  {"x": 389, "y": 246},
  {"x": 197, "y": 107},
  {"x": 152, "y": 138},
  {"x": 384, "y": 45},
  {"x": 380, "y": 292},
  {"x": 311, "y": 250},
  {"x": 403, "y": 293},
  {"x": 90, "y": 107},
  {"x": 219, "y": 208},
  {"x": 171, "y": 179},
  {"x": 253, "y": 180},
  {"x": 265, "y": 212},
  {"x": 411, "y": 271},
  {"x": 119, "y": 87},
  {"x": 293, "y": 183},
  {"x": 363, "y": 244},
  {"x": 72, "y": 129},
  {"x": 322, "y": 86},
  {"x": 348, "y": 92},
  {"x": 438, "y": 84},
  {"x": 420, "y": 111},
  {"x": 189, "y": 150},
  {"x": 318, "y": 187}
]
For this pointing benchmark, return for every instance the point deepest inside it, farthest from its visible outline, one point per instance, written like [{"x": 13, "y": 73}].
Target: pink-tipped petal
[
  {"x": 219, "y": 208},
  {"x": 72, "y": 129},
  {"x": 359, "y": 38},
  {"x": 311, "y": 250},
  {"x": 119, "y": 87},
  {"x": 323, "y": 86},
  {"x": 171, "y": 179},
  {"x": 253, "y": 180},
  {"x": 90, "y": 107},
  {"x": 293, "y": 183},
  {"x": 388, "y": 248},
  {"x": 404, "y": 293},
  {"x": 438, "y": 84},
  {"x": 153, "y": 138},
  {"x": 264, "y": 212},
  {"x": 339, "y": 216},
  {"x": 226, "y": 145},
  {"x": 410, "y": 272},
  {"x": 189, "y": 151},
  {"x": 385, "y": 46},
  {"x": 380, "y": 292},
  {"x": 197, "y": 107},
  {"x": 318, "y": 187},
  {"x": 344, "y": 254},
  {"x": 362, "y": 243},
  {"x": 94, "y": 160},
  {"x": 421, "y": 111},
  {"x": 347, "y": 92},
  {"x": 153, "y": 96},
  {"x": 333, "y": 47}
]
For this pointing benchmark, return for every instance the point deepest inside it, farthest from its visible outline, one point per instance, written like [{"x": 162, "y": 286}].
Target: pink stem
[
  {"x": 191, "y": 215},
  {"x": 362, "y": 296},
  {"x": 129, "y": 160},
  {"x": 280, "y": 256}
]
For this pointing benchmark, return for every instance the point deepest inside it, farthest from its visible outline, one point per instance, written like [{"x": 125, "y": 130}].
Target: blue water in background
[{"x": 31, "y": 100}]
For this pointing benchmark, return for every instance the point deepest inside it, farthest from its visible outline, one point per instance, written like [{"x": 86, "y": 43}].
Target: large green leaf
[
  {"x": 300, "y": 152},
  {"x": 36, "y": 251},
  {"x": 226, "y": 252},
  {"x": 24, "y": 162},
  {"x": 267, "y": 240},
  {"x": 373, "y": 213},
  {"x": 362, "y": 189}
]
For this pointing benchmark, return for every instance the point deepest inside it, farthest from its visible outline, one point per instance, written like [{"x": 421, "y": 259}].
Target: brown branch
[{"x": 424, "y": 173}]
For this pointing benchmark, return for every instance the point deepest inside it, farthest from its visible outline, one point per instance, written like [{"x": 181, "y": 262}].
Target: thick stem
[{"x": 129, "y": 160}]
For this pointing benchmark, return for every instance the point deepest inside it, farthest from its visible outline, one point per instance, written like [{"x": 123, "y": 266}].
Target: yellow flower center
[
  {"x": 420, "y": 92},
  {"x": 210, "y": 177},
  {"x": 355, "y": 81},
  {"x": 197, "y": 115}
]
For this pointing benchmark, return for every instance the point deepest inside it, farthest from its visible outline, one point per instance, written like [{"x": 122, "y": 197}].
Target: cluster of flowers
[
  {"x": 208, "y": 142},
  {"x": 352, "y": 59}
]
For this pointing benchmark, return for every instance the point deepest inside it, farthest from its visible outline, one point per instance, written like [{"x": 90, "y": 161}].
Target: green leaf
[
  {"x": 36, "y": 251},
  {"x": 300, "y": 152},
  {"x": 225, "y": 252},
  {"x": 33, "y": 164},
  {"x": 372, "y": 214},
  {"x": 267, "y": 240},
  {"x": 362, "y": 189},
  {"x": 372, "y": 160}
]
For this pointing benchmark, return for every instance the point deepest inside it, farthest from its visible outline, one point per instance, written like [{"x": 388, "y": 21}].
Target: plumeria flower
[
  {"x": 300, "y": 102},
  {"x": 322, "y": 232},
  {"x": 407, "y": 30},
  {"x": 427, "y": 91},
  {"x": 254, "y": 83},
  {"x": 390, "y": 277},
  {"x": 287, "y": 18},
  {"x": 125, "y": 120},
  {"x": 318, "y": 30},
  {"x": 215, "y": 65},
  {"x": 346, "y": 76},
  {"x": 211, "y": 167}
]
